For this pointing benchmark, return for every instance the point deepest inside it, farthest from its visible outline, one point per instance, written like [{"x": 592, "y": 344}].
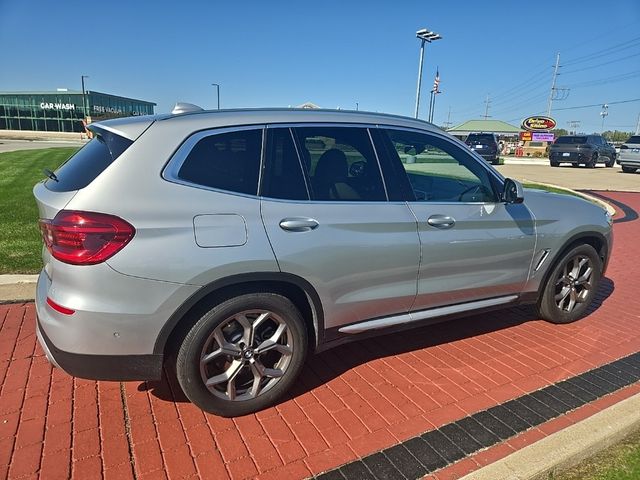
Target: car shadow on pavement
[{"x": 326, "y": 366}]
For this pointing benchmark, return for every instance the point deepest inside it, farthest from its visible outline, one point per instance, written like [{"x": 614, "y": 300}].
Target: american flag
[{"x": 436, "y": 83}]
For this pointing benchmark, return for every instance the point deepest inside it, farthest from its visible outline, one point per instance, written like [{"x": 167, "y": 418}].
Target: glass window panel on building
[{"x": 63, "y": 111}]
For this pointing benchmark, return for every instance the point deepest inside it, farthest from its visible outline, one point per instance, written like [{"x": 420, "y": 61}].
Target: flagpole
[
  {"x": 430, "y": 106},
  {"x": 433, "y": 107}
]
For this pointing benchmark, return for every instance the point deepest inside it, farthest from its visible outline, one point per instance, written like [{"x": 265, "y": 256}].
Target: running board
[{"x": 425, "y": 314}]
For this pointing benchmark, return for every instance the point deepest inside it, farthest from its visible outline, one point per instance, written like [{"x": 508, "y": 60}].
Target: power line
[
  {"x": 600, "y": 64},
  {"x": 607, "y": 80},
  {"x": 600, "y": 104},
  {"x": 606, "y": 51}
]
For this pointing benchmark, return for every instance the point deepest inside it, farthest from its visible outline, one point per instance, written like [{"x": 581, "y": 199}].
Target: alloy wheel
[
  {"x": 246, "y": 355},
  {"x": 574, "y": 283}
]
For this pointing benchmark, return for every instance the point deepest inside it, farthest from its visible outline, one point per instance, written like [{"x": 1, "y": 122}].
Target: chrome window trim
[{"x": 171, "y": 169}]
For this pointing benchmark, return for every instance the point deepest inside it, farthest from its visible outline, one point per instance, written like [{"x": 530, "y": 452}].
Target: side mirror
[{"x": 512, "y": 192}]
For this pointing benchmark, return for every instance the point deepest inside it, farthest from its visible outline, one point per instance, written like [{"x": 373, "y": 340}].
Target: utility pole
[
  {"x": 603, "y": 113},
  {"x": 638, "y": 126},
  {"x": 553, "y": 84},
  {"x": 487, "y": 102}
]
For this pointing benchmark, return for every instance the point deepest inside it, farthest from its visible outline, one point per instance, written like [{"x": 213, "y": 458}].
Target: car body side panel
[
  {"x": 560, "y": 218},
  {"x": 164, "y": 246},
  {"x": 362, "y": 259},
  {"x": 487, "y": 253}
]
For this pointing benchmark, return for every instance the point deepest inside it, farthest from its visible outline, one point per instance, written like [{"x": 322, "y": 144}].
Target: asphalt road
[
  {"x": 580, "y": 178},
  {"x": 13, "y": 145}
]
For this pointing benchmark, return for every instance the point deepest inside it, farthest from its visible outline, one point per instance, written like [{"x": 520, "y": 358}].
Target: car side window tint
[
  {"x": 439, "y": 170},
  {"x": 340, "y": 163},
  {"x": 283, "y": 177},
  {"x": 226, "y": 161}
]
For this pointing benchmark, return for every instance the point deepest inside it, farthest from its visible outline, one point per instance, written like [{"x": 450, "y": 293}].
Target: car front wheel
[
  {"x": 628, "y": 169},
  {"x": 570, "y": 288},
  {"x": 243, "y": 354}
]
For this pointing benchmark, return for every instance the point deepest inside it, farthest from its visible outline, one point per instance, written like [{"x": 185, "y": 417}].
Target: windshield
[{"x": 572, "y": 140}]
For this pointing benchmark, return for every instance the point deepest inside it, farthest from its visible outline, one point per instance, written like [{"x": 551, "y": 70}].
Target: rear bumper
[
  {"x": 102, "y": 367},
  {"x": 116, "y": 320}
]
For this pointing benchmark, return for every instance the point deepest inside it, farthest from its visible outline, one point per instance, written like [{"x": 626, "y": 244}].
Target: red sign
[
  {"x": 538, "y": 124},
  {"x": 525, "y": 136}
]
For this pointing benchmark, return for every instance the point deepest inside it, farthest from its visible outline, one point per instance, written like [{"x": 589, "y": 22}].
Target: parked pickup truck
[{"x": 582, "y": 149}]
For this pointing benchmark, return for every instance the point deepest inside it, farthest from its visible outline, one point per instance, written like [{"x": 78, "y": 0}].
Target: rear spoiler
[{"x": 130, "y": 127}]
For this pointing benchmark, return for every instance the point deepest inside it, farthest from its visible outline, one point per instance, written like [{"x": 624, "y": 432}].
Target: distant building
[{"x": 64, "y": 110}]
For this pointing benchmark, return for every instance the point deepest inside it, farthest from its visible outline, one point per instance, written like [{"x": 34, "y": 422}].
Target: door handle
[
  {"x": 441, "y": 221},
  {"x": 298, "y": 224}
]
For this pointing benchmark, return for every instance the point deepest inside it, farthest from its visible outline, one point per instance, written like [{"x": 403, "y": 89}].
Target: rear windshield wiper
[{"x": 50, "y": 174}]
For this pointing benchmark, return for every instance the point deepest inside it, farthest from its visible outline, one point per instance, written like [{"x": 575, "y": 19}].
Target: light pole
[
  {"x": 603, "y": 114},
  {"x": 425, "y": 36},
  {"x": 84, "y": 97},
  {"x": 218, "y": 92}
]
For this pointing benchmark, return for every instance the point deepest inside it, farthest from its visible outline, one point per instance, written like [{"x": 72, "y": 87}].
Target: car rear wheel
[
  {"x": 575, "y": 165},
  {"x": 628, "y": 169},
  {"x": 242, "y": 354},
  {"x": 571, "y": 286},
  {"x": 593, "y": 161},
  {"x": 555, "y": 164}
]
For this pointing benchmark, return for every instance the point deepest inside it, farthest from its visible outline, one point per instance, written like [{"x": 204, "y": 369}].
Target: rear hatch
[
  {"x": 110, "y": 140},
  {"x": 630, "y": 150},
  {"x": 482, "y": 143},
  {"x": 570, "y": 147}
]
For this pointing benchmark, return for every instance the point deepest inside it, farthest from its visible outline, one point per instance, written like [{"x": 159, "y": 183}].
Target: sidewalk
[{"x": 443, "y": 401}]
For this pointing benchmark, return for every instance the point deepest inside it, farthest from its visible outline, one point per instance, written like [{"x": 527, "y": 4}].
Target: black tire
[
  {"x": 566, "y": 284},
  {"x": 555, "y": 164},
  {"x": 592, "y": 163},
  {"x": 628, "y": 169},
  {"x": 575, "y": 165},
  {"x": 243, "y": 358},
  {"x": 496, "y": 161}
]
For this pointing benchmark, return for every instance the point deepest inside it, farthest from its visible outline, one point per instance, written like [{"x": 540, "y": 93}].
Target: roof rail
[{"x": 183, "y": 107}]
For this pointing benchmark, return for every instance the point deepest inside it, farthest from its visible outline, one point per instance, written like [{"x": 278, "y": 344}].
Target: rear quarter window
[
  {"x": 225, "y": 161},
  {"x": 90, "y": 161}
]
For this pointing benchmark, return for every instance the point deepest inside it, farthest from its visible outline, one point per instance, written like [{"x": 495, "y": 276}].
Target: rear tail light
[{"x": 85, "y": 238}]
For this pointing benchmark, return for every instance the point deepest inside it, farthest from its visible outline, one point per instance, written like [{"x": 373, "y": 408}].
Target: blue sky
[{"x": 335, "y": 53}]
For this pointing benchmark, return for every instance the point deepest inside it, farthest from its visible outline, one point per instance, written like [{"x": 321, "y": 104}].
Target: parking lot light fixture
[
  {"x": 425, "y": 36},
  {"x": 84, "y": 97}
]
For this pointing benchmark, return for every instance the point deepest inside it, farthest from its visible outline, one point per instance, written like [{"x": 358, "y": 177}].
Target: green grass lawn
[
  {"x": 20, "y": 242},
  {"x": 619, "y": 462}
]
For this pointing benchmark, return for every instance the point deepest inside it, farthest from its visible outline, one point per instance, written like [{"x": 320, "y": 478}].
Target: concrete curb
[
  {"x": 567, "y": 447},
  {"x": 17, "y": 288}
]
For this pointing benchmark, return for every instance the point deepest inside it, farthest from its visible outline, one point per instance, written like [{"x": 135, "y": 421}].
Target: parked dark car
[
  {"x": 587, "y": 150},
  {"x": 486, "y": 145}
]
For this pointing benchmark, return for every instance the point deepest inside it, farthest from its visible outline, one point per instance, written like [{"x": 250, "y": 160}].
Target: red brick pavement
[{"x": 349, "y": 402}]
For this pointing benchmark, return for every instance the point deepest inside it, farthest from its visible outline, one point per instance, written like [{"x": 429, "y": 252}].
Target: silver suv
[{"x": 230, "y": 244}]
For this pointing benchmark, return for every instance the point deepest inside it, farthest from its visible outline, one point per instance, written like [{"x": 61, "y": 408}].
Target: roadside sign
[
  {"x": 538, "y": 124},
  {"x": 526, "y": 136},
  {"x": 543, "y": 137}
]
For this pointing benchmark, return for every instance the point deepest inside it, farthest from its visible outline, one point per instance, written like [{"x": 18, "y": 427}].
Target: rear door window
[
  {"x": 89, "y": 162},
  {"x": 340, "y": 164}
]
